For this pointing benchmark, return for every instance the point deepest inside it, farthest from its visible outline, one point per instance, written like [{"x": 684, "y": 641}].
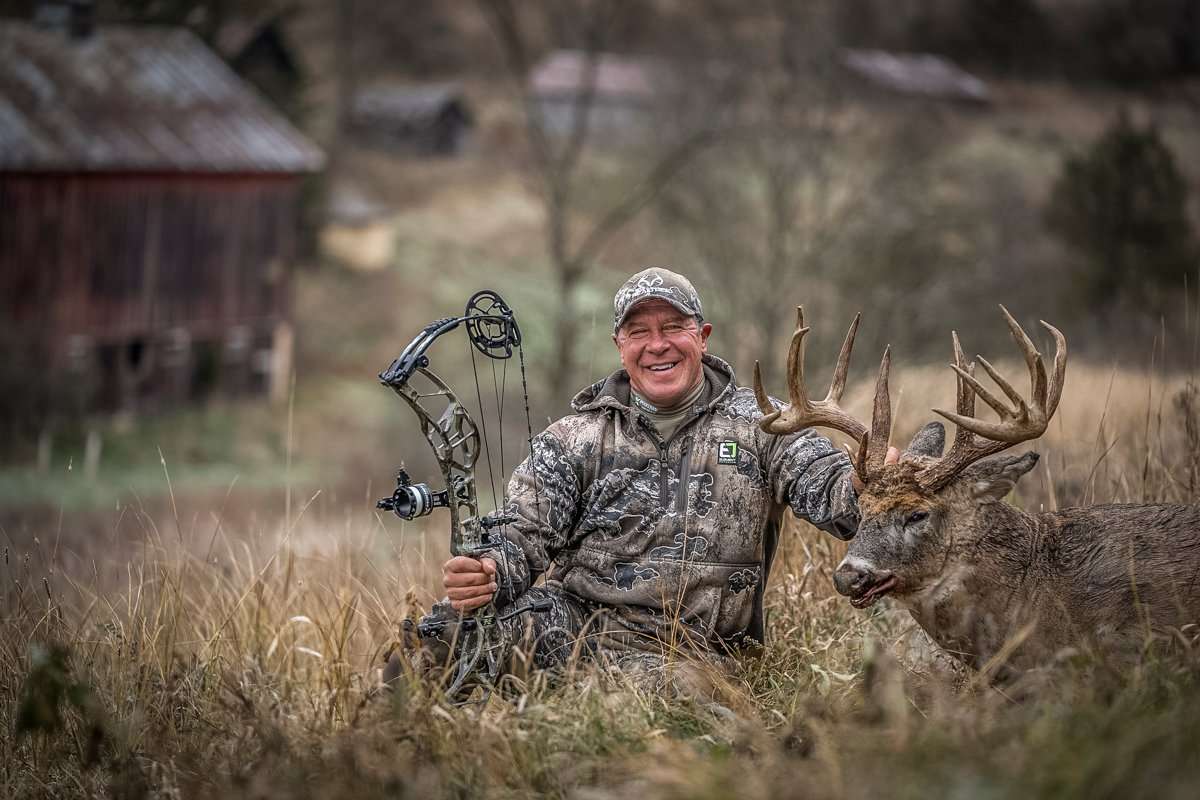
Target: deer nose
[{"x": 853, "y": 577}]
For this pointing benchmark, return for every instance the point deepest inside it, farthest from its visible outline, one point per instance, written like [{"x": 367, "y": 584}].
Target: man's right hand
[{"x": 469, "y": 583}]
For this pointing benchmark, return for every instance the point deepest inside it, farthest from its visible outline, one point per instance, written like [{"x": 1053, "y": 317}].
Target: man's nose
[{"x": 658, "y": 341}]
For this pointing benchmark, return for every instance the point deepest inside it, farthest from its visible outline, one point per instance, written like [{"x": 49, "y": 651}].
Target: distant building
[
  {"x": 632, "y": 99},
  {"x": 625, "y": 92},
  {"x": 917, "y": 75},
  {"x": 148, "y": 214},
  {"x": 420, "y": 120}
]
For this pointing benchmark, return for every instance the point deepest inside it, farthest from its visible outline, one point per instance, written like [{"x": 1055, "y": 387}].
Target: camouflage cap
[{"x": 656, "y": 283}]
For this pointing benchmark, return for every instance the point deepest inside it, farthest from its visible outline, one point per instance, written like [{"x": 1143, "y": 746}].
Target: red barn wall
[{"x": 114, "y": 261}]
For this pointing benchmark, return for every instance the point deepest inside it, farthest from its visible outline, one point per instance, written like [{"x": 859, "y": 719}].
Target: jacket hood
[{"x": 614, "y": 391}]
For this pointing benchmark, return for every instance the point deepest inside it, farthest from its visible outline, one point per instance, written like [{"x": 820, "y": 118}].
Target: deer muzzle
[{"x": 861, "y": 582}]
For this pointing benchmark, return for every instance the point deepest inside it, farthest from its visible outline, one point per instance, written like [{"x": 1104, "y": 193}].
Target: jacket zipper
[
  {"x": 685, "y": 468},
  {"x": 664, "y": 478},
  {"x": 685, "y": 464}
]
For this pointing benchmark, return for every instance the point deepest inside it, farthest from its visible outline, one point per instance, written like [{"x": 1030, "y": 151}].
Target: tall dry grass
[{"x": 177, "y": 660}]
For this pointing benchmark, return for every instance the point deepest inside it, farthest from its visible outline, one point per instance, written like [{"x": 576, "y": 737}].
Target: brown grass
[{"x": 244, "y": 663}]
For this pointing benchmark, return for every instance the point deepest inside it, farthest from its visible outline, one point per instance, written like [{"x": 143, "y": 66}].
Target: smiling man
[{"x": 653, "y": 511}]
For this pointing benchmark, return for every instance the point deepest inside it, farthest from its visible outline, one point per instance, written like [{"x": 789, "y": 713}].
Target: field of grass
[{"x": 176, "y": 658}]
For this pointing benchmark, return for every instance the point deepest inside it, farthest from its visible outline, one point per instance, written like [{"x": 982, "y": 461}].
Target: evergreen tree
[{"x": 1123, "y": 206}]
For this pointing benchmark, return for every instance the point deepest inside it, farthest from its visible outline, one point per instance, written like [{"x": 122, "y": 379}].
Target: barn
[
  {"x": 623, "y": 94},
  {"x": 148, "y": 218}
]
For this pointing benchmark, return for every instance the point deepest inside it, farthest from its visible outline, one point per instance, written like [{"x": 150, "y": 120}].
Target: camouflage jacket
[{"x": 671, "y": 539}]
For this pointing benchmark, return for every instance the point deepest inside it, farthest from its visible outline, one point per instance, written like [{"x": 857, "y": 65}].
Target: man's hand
[
  {"x": 893, "y": 455},
  {"x": 469, "y": 583}
]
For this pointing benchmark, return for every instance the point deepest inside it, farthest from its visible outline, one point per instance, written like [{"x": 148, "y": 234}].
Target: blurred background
[{"x": 220, "y": 220}]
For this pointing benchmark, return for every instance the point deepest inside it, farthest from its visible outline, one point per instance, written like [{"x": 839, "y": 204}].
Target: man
[{"x": 653, "y": 511}]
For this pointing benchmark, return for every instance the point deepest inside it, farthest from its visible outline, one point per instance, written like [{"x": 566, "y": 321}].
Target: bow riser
[{"x": 454, "y": 438}]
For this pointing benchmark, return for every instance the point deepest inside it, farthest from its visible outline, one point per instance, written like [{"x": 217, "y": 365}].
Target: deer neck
[
  {"x": 1003, "y": 543},
  {"x": 986, "y": 575}
]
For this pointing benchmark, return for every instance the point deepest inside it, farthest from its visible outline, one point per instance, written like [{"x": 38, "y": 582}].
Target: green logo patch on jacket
[{"x": 727, "y": 453}]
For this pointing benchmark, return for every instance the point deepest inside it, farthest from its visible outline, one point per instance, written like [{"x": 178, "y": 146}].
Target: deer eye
[{"x": 915, "y": 517}]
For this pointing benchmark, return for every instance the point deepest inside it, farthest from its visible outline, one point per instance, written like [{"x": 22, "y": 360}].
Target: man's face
[{"x": 661, "y": 348}]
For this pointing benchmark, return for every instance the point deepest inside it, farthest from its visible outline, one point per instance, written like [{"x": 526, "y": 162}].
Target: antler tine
[
  {"x": 1027, "y": 420},
  {"x": 860, "y": 458},
  {"x": 966, "y": 397},
  {"x": 1054, "y": 394},
  {"x": 1033, "y": 359},
  {"x": 797, "y": 391},
  {"x": 881, "y": 417},
  {"x": 982, "y": 391},
  {"x": 803, "y": 412},
  {"x": 764, "y": 401},
  {"x": 843, "y": 363}
]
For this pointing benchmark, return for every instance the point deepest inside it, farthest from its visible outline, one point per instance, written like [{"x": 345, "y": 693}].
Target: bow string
[{"x": 454, "y": 437}]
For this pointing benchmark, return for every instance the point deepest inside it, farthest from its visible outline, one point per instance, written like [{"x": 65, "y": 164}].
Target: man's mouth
[
  {"x": 662, "y": 367},
  {"x": 877, "y": 591}
]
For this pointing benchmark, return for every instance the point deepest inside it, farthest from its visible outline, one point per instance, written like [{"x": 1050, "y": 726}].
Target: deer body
[
  {"x": 1104, "y": 577},
  {"x": 986, "y": 580}
]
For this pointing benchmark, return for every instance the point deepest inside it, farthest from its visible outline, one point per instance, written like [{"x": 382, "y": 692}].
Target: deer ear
[
  {"x": 929, "y": 441},
  {"x": 994, "y": 478}
]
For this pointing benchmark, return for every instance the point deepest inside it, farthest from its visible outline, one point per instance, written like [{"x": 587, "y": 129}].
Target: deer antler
[
  {"x": 1022, "y": 422},
  {"x": 802, "y": 412}
]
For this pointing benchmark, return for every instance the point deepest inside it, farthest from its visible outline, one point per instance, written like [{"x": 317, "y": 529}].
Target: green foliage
[
  {"x": 48, "y": 688},
  {"x": 1123, "y": 41},
  {"x": 1122, "y": 205},
  {"x": 1132, "y": 41}
]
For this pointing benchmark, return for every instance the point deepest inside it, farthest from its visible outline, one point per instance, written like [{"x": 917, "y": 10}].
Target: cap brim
[{"x": 678, "y": 305}]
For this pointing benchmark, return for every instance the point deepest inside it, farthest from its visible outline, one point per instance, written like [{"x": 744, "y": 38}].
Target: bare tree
[
  {"x": 557, "y": 160},
  {"x": 797, "y": 162}
]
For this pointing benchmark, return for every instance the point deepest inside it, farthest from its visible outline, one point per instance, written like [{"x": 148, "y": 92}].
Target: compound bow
[{"x": 493, "y": 331}]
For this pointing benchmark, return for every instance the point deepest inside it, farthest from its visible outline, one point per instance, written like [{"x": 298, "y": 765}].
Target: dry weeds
[{"x": 245, "y": 663}]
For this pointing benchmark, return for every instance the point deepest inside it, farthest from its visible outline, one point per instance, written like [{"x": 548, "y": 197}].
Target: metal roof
[
  {"x": 563, "y": 72},
  {"x": 408, "y": 105},
  {"x": 135, "y": 99},
  {"x": 917, "y": 74}
]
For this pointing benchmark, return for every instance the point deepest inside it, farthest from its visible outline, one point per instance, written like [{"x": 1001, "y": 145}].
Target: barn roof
[
  {"x": 916, "y": 74},
  {"x": 128, "y": 98},
  {"x": 639, "y": 78},
  {"x": 563, "y": 72}
]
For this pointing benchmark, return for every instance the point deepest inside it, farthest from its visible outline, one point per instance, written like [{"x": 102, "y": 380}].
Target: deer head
[{"x": 914, "y": 511}]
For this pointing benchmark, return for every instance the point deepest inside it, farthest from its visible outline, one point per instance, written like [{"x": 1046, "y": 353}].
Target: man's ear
[
  {"x": 992, "y": 479},
  {"x": 705, "y": 330}
]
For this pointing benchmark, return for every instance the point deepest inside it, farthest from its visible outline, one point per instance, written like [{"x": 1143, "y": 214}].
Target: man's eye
[
  {"x": 671, "y": 330},
  {"x": 916, "y": 517},
  {"x": 637, "y": 333}
]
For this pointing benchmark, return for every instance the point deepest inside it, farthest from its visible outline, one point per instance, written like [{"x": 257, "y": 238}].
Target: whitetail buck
[{"x": 984, "y": 579}]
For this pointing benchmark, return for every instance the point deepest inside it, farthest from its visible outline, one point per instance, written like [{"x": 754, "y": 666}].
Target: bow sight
[{"x": 411, "y": 500}]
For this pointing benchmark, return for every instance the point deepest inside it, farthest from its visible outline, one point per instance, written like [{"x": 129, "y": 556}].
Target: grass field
[{"x": 180, "y": 655}]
